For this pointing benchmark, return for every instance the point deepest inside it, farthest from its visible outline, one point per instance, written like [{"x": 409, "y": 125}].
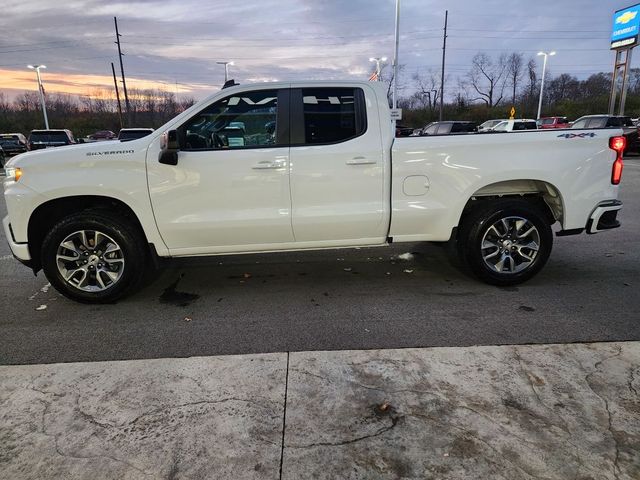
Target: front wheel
[
  {"x": 506, "y": 242},
  {"x": 94, "y": 257}
]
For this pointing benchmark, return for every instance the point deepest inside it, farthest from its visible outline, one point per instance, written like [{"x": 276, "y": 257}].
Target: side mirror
[{"x": 169, "y": 148}]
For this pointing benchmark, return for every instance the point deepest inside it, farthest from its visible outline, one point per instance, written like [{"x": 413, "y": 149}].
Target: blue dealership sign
[{"x": 626, "y": 27}]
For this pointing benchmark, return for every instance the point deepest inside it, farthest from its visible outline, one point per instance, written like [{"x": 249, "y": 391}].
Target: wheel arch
[
  {"x": 546, "y": 195},
  {"x": 49, "y": 213}
]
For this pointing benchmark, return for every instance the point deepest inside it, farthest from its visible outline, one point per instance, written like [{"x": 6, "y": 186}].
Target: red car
[{"x": 553, "y": 122}]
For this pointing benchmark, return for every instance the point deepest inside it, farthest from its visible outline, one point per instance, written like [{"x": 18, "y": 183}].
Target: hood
[{"x": 94, "y": 151}]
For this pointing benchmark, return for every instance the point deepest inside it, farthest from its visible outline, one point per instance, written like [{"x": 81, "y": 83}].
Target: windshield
[
  {"x": 49, "y": 137},
  {"x": 490, "y": 123},
  {"x": 133, "y": 134}
]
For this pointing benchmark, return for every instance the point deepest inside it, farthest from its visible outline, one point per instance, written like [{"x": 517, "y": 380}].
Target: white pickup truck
[{"x": 296, "y": 166}]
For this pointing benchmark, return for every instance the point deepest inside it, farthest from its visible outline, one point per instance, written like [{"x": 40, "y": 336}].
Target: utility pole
[
  {"x": 395, "y": 63},
  {"x": 444, "y": 52},
  {"x": 115, "y": 83},
  {"x": 124, "y": 83}
]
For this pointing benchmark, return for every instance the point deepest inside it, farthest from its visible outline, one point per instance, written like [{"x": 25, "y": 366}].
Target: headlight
[{"x": 13, "y": 173}]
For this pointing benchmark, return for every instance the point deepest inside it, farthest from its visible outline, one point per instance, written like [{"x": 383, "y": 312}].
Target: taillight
[{"x": 618, "y": 144}]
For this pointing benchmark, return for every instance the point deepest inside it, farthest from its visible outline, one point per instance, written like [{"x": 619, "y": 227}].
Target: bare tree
[
  {"x": 427, "y": 89},
  {"x": 533, "y": 77},
  {"x": 515, "y": 70},
  {"x": 488, "y": 78}
]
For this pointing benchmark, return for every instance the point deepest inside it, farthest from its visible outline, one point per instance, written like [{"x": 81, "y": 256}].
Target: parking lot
[{"x": 333, "y": 300}]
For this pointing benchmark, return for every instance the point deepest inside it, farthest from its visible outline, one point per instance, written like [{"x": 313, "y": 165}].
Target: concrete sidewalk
[{"x": 512, "y": 412}]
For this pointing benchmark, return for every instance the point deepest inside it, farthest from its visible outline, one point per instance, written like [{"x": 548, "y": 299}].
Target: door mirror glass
[{"x": 169, "y": 148}]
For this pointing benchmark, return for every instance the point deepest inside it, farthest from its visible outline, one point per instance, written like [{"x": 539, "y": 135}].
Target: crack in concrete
[
  {"x": 75, "y": 455},
  {"x": 616, "y": 460},
  {"x": 565, "y": 426},
  {"x": 371, "y": 387},
  {"x": 189, "y": 404},
  {"x": 394, "y": 421},
  {"x": 631, "y": 380},
  {"x": 473, "y": 436}
]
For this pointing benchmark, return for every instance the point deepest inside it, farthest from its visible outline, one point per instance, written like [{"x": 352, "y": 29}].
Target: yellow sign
[{"x": 512, "y": 113}]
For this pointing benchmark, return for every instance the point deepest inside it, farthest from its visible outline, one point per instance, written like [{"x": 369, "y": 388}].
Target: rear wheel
[
  {"x": 506, "y": 242},
  {"x": 94, "y": 257}
]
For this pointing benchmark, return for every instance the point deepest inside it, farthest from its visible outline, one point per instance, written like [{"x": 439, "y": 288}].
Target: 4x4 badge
[{"x": 577, "y": 135}]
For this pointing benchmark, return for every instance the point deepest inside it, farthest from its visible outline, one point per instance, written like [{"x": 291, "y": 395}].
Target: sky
[{"x": 174, "y": 44}]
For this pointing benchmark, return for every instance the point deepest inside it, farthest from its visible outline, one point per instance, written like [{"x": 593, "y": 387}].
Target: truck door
[
  {"x": 230, "y": 187},
  {"x": 337, "y": 166}
]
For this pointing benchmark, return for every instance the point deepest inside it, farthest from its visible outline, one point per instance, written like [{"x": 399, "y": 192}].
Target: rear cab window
[{"x": 327, "y": 115}]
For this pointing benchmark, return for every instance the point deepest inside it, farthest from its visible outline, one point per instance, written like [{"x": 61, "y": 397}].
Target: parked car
[
  {"x": 94, "y": 226},
  {"x": 489, "y": 124},
  {"x": 13, "y": 143},
  {"x": 553, "y": 122},
  {"x": 630, "y": 130},
  {"x": 515, "y": 125},
  {"x": 449, "y": 128},
  {"x": 133, "y": 133},
  {"x": 50, "y": 138},
  {"x": 102, "y": 135}
]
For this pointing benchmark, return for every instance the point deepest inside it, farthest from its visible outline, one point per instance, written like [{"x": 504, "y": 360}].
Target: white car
[
  {"x": 515, "y": 125},
  {"x": 489, "y": 124},
  {"x": 315, "y": 166}
]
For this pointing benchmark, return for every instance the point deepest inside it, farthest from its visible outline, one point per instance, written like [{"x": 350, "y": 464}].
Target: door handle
[
  {"x": 360, "y": 161},
  {"x": 269, "y": 164}
]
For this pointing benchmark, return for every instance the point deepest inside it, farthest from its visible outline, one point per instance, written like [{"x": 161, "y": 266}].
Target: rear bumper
[
  {"x": 19, "y": 250},
  {"x": 604, "y": 217}
]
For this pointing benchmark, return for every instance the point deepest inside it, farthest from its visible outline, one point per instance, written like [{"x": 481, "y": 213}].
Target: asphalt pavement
[{"x": 334, "y": 300}]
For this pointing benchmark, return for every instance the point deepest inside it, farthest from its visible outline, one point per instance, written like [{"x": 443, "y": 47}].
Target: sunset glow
[{"x": 80, "y": 84}]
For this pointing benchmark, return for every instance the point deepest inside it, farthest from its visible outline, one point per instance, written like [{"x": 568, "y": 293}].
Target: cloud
[{"x": 179, "y": 41}]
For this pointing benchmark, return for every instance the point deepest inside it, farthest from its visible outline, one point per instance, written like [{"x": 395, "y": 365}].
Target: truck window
[
  {"x": 244, "y": 120},
  {"x": 600, "y": 122},
  {"x": 332, "y": 115}
]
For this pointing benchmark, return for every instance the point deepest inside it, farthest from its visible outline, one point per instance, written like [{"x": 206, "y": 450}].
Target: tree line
[
  {"x": 493, "y": 85},
  {"x": 89, "y": 113}
]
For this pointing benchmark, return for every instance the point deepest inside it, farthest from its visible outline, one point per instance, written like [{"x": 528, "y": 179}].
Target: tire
[
  {"x": 498, "y": 241},
  {"x": 102, "y": 265}
]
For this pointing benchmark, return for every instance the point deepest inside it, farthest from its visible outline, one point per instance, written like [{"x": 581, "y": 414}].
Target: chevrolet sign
[{"x": 626, "y": 27}]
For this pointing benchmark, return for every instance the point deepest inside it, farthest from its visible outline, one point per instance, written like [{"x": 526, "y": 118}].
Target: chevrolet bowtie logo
[{"x": 626, "y": 17}]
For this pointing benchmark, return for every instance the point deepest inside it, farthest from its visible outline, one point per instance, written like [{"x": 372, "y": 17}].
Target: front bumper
[
  {"x": 19, "y": 250},
  {"x": 604, "y": 217}
]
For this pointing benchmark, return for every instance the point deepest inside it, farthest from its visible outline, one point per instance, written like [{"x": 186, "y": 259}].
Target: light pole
[
  {"x": 226, "y": 69},
  {"x": 44, "y": 108},
  {"x": 378, "y": 60},
  {"x": 544, "y": 71}
]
